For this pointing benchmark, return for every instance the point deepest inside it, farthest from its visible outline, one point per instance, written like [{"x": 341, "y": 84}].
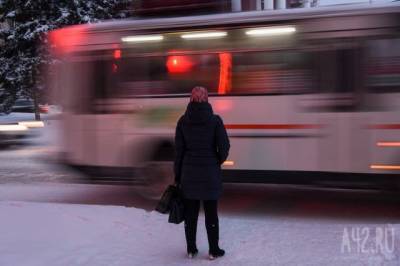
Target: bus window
[
  {"x": 80, "y": 78},
  {"x": 141, "y": 76},
  {"x": 100, "y": 78},
  {"x": 383, "y": 66},
  {"x": 203, "y": 71},
  {"x": 166, "y": 75},
  {"x": 99, "y": 82},
  {"x": 266, "y": 72},
  {"x": 337, "y": 70},
  {"x": 338, "y": 79}
]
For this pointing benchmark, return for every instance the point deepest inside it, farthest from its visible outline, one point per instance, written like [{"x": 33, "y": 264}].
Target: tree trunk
[{"x": 36, "y": 105}]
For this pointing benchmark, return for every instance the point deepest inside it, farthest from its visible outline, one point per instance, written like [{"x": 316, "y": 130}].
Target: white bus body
[{"x": 314, "y": 98}]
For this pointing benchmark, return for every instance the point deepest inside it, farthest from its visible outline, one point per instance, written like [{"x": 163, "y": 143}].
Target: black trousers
[{"x": 192, "y": 208}]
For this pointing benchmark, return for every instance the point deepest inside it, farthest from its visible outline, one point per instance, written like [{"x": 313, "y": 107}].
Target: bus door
[
  {"x": 92, "y": 117},
  {"x": 74, "y": 97},
  {"x": 117, "y": 83}
]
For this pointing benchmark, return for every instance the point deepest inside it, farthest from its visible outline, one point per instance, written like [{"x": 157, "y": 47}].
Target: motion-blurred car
[
  {"x": 12, "y": 134},
  {"x": 23, "y": 106},
  {"x": 27, "y": 106},
  {"x": 19, "y": 126}
]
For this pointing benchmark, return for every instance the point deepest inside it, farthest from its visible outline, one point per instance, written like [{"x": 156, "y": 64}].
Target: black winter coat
[{"x": 202, "y": 145}]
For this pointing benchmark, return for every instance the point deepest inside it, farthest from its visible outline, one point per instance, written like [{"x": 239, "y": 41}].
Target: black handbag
[
  {"x": 177, "y": 210},
  {"x": 164, "y": 205}
]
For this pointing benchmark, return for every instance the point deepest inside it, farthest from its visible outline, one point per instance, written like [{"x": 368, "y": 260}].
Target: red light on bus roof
[
  {"x": 117, "y": 54},
  {"x": 63, "y": 40},
  {"x": 179, "y": 64}
]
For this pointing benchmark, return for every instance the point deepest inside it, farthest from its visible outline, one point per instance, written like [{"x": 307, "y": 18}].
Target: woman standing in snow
[{"x": 202, "y": 145}]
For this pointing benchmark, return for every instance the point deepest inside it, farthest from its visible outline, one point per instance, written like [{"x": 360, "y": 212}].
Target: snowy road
[{"x": 26, "y": 174}]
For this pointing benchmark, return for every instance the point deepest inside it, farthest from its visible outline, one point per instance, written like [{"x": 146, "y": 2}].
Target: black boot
[
  {"x": 190, "y": 233},
  {"x": 213, "y": 237},
  {"x": 216, "y": 254},
  {"x": 192, "y": 253}
]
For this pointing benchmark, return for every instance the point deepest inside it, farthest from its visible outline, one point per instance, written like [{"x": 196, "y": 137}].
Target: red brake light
[
  {"x": 179, "y": 64},
  {"x": 117, "y": 54}
]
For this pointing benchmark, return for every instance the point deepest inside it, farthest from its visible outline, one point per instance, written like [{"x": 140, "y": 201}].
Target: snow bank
[{"x": 67, "y": 234}]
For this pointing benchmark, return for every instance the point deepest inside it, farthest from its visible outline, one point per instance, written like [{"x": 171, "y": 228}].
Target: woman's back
[{"x": 198, "y": 128}]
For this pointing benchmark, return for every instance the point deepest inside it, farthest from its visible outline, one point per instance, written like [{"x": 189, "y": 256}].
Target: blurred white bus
[{"x": 309, "y": 96}]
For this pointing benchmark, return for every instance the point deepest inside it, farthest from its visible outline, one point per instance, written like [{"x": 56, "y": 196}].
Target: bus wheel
[{"x": 157, "y": 176}]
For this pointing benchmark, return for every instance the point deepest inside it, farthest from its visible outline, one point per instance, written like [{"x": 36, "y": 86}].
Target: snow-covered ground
[{"x": 61, "y": 234}]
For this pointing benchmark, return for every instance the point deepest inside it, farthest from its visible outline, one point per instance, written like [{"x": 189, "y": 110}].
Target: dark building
[{"x": 165, "y": 8}]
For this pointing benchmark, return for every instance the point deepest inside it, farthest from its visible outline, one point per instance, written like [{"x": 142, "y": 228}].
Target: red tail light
[{"x": 44, "y": 109}]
